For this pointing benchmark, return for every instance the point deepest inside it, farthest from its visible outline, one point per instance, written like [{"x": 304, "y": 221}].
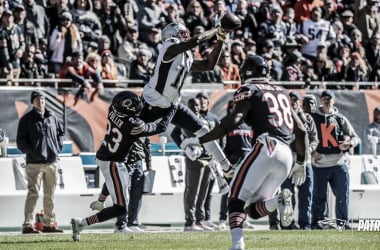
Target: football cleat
[
  {"x": 122, "y": 230},
  {"x": 285, "y": 207},
  {"x": 77, "y": 227},
  {"x": 97, "y": 205},
  {"x": 193, "y": 228},
  {"x": 135, "y": 229}
]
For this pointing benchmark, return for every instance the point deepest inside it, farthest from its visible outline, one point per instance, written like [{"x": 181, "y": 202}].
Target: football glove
[
  {"x": 221, "y": 35},
  {"x": 189, "y": 142},
  {"x": 193, "y": 152},
  {"x": 298, "y": 173},
  {"x": 229, "y": 173}
]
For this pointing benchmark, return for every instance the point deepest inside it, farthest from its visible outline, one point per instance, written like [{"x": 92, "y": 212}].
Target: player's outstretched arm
[
  {"x": 179, "y": 48},
  {"x": 228, "y": 122}
]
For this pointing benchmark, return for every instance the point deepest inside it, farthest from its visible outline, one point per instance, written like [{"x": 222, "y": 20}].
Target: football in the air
[{"x": 230, "y": 22}]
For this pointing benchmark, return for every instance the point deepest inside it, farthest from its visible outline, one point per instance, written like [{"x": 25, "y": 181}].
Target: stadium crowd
[{"x": 304, "y": 40}]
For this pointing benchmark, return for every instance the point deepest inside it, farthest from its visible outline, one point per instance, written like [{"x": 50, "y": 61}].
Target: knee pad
[{"x": 204, "y": 130}]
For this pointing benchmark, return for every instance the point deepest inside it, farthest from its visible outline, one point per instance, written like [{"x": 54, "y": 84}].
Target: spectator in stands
[
  {"x": 347, "y": 18},
  {"x": 104, "y": 43},
  {"x": 275, "y": 67},
  {"x": 93, "y": 61},
  {"x": 356, "y": 39},
  {"x": 356, "y": 70},
  {"x": 28, "y": 29},
  {"x": 64, "y": 40},
  {"x": 31, "y": 65},
  {"x": 128, "y": 49},
  {"x": 172, "y": 14},
  {"x": 290, "y": 24},
  {"x": 367, "y": 18},
  {"x": 36, "y": 16},
  {"x": 373, "y": 56},
  {"x": 230, "y": 71},
  {"x": 141, "y": 68},
  {"x": 238, "y": 54},
  {"x": 292, "y": 68},
  {"x": 12, "y": 47},
  {"x": 218, "y": 9},
  {"x": 194, "y": 16},
  {"x": 149, "y": 18},
  {"x": 330, "y": 11},
  {"x": 273, "y": 29},
  {"x": 308, "y": 74},
  {"x": 154, "y": 43},
  {"x": 336, "y": 135},
  {"x": 342, "y": 60},
  {"x": 340, "y": 40},
  {"x": 130, "y": 9},
  {"x": 290, "y": 46},
  {"x": 324, "y": 68},
  {"x": 109, "y": 68},
  {"x": 250, "y": 47},
  {"x": 249, "y": 24},
  {"x": 372, "y": 130},
  {"x": 54, "y": 9},
  {"x": 197, "y": 179},
  {"x": 40, "y": 136},
  {"x": 304, "y": 9},
  {"x": 312, "y": 32},
  {"x": 113, "y": 24},
  {"x": 80, "y": 73},
  {"x": 87, "y": 22}
]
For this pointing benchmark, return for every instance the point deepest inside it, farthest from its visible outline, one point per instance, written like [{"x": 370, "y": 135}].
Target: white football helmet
[{"x": 176, "y": 30}]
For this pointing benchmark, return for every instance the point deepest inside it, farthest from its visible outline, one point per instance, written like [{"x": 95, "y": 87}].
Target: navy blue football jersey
[
  {"x": 123, "y": 131},
  {"x": 270, "y": 110}
]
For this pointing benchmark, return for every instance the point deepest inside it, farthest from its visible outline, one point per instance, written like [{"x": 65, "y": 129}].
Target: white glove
[
  {"x": 229, "y": 173},
  {"x": 189, "y": 142},
  {"x": 298, "y": 174},
  {"x": 193, "y": 152}
]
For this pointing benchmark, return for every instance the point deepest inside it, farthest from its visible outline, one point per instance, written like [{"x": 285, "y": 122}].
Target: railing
[{"x": 124, "y": 83}]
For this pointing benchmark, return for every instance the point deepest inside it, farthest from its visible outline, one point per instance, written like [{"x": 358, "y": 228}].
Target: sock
[
  {"x": 271, "y": 204},
  {"x": 237, "y": 237},
  {"x": 83, "y": 222}
]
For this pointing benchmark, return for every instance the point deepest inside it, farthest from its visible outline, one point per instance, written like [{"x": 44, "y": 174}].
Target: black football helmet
[
  {"x": 254, "y": 67},
  {"x": 126, "y": 103}
]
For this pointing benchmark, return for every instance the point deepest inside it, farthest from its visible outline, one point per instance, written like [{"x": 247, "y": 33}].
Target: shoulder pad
[{"x": 244, "y": 92}]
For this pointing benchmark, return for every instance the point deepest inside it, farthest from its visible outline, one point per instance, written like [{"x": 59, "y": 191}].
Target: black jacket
[{"x": 40, "y": 138}]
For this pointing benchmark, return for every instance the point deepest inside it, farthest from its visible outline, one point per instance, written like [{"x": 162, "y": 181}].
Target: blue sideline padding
[
  {"x": 66, "y": 150},
  {"x": 170, "y": 149}
]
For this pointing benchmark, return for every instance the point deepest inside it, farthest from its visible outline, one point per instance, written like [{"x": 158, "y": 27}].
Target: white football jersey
[
  {"x": 164, "y": 87},
  {"x": 316, "y": 32}
]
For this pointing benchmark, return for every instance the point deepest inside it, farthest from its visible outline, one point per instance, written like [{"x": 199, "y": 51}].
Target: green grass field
[{"x": 327, "y": 239}]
